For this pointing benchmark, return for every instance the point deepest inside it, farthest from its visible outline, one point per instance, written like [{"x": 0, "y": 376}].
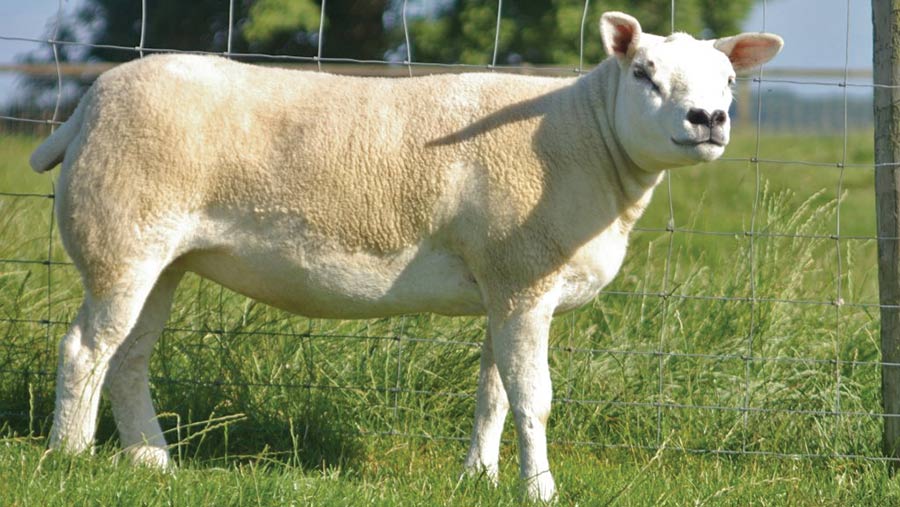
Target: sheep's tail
[{"x": 51, "y": 152}]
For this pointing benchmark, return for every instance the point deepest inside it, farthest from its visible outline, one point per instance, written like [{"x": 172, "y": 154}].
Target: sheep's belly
[
  {"x": 278, "y": 264},
  {"x": 329, "y": 283}
]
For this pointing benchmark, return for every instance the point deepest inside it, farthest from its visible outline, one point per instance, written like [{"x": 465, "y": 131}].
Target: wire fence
[{"x": 647, "y": 376}]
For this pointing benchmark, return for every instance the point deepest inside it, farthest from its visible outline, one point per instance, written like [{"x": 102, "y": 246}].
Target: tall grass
[{"x": 739, "y": 356}]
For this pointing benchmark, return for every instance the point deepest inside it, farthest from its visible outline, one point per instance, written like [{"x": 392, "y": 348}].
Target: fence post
[{"x": 886, "y": 51}]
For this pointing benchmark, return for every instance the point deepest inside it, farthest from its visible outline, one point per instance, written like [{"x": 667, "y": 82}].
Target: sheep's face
[{"x": 674, "y": 92}]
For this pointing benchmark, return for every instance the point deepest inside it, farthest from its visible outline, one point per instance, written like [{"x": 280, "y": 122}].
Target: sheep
[{"x": 341, "y": 197}]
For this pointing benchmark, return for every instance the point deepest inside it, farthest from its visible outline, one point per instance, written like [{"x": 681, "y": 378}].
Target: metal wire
[
  {"x": 408, "y": 61},
  {"x": 809, "y": 361},
  {"x": 497, "y": 35},
  {"x": 667, "y": 272},
  {"x": 839, "y": 276},
  {"x": 321, "y": 37},
  {"x": 314, "y": 59},
  {"x": 48, "y": 337},
  {"x": 230, "y": 27},
  {"x": 752, "y": 251},
  {"x": 581, "y": 37},
  {"x": 661, "y": 353},
  {"x": 140, "y": 46}
]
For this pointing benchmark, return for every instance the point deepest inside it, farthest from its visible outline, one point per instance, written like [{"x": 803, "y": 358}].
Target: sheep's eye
[
  {"x": 731, "y": 81},
  {"x": 641, "y": 74}
]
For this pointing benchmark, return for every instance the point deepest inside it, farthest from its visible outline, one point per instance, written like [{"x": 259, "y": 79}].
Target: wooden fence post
[{"x": 886, "y": 46}]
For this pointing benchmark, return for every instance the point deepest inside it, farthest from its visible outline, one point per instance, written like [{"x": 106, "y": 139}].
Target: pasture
[{"x": 728, "y": 390}]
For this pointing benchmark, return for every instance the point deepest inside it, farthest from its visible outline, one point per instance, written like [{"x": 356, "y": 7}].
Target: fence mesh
[{"x": 773, "y": 353}]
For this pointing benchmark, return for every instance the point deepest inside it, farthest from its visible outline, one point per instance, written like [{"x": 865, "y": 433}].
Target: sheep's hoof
[
  {"x": 149, "y": 456},
  {"x": 541, "y": 488},
  {"x": 480, "y": 471}
]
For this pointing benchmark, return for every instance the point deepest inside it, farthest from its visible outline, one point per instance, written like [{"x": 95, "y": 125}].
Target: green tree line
[
  {"x": 440, "y": 31},
  {"x": 446, "y": 31}
]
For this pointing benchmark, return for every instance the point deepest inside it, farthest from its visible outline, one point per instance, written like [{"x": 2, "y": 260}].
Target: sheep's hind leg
[
  {"x": 490, "y": 413},
  {"x": 102, "y": 325},
  {"x": 127, "y": 382}
]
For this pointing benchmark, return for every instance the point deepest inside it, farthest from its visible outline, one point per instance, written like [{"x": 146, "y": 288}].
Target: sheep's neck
[{"x": 634, "y": 186}]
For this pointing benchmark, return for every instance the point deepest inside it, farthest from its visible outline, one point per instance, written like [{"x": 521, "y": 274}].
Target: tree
[
  {"x": 448, "y": 31},
  {"x": 353, "y": 29},
  {"x": 548, "y": 31},
  {"x": 455, "y": 31},
  {"x": 290, "y": 27}
]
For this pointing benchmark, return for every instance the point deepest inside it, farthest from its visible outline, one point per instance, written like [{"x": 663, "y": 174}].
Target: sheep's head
[{"x": 673, "y": 92}]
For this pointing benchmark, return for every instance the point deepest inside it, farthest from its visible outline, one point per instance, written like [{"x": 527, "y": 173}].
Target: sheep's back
[{"x": 350, "y": 159}]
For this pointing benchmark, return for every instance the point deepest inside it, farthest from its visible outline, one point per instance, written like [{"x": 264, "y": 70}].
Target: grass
[
  {"x": 270, "y": 409},
  {"x": 401, "y": 478}
]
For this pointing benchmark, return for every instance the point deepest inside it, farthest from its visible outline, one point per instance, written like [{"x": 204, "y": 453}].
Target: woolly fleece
[{"x": 329, "y": 196}]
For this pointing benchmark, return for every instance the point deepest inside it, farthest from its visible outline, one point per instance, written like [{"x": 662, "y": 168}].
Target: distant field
[{"x": 270, "y": 409}]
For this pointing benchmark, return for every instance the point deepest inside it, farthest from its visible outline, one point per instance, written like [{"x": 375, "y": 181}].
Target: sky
[{"x": 815, "y": 31}]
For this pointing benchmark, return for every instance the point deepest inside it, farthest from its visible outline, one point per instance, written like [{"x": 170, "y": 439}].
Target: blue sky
[{"x": 815, "y": 31}]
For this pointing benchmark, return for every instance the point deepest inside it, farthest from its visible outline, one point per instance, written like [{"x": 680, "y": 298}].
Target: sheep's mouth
[{"x": 693, "y": 142}]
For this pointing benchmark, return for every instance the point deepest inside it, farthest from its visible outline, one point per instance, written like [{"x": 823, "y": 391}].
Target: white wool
[{"x": 479, "y": 194}]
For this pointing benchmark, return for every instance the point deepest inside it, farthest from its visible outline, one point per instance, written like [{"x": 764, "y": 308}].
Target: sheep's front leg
[
  {"x": 491, "y": 407},
  {"x": 520, "y": 343}
]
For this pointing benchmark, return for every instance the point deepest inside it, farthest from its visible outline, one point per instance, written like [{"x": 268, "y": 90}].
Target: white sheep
[{"x": 477, "y": 194}]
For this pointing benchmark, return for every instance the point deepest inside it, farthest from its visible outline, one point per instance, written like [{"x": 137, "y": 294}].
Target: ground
[{"x": 725, "y": 391}]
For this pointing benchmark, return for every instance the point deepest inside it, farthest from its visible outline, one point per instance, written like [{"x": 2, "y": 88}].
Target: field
[{"x": 744, "y": 385}]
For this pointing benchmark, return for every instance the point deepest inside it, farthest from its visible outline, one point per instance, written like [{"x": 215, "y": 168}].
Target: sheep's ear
[
  {"x": 621, "y": 34},
  {"x": 749, "y": 50}
]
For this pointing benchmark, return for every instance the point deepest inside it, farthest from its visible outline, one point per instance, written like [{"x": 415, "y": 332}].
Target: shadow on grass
[{"x": 208, "y": 429}]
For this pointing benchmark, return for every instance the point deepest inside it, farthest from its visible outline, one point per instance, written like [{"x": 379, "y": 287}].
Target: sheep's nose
[
  {"x": 719, "y": 118},
  {"x": 699, "y": 116}
]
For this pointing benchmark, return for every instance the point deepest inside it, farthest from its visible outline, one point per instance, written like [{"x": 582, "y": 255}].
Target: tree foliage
[
  {"x": 353, "y": 27},
  {"x": 549, "y": 31},
  {"x": 448, "y": 31},
  {"x": 442, "y": 31}
]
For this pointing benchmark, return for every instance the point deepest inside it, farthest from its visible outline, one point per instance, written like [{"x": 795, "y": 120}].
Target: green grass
[
  {"x": 414, "y": 474},
  {"x": 267, "y": 408}
]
